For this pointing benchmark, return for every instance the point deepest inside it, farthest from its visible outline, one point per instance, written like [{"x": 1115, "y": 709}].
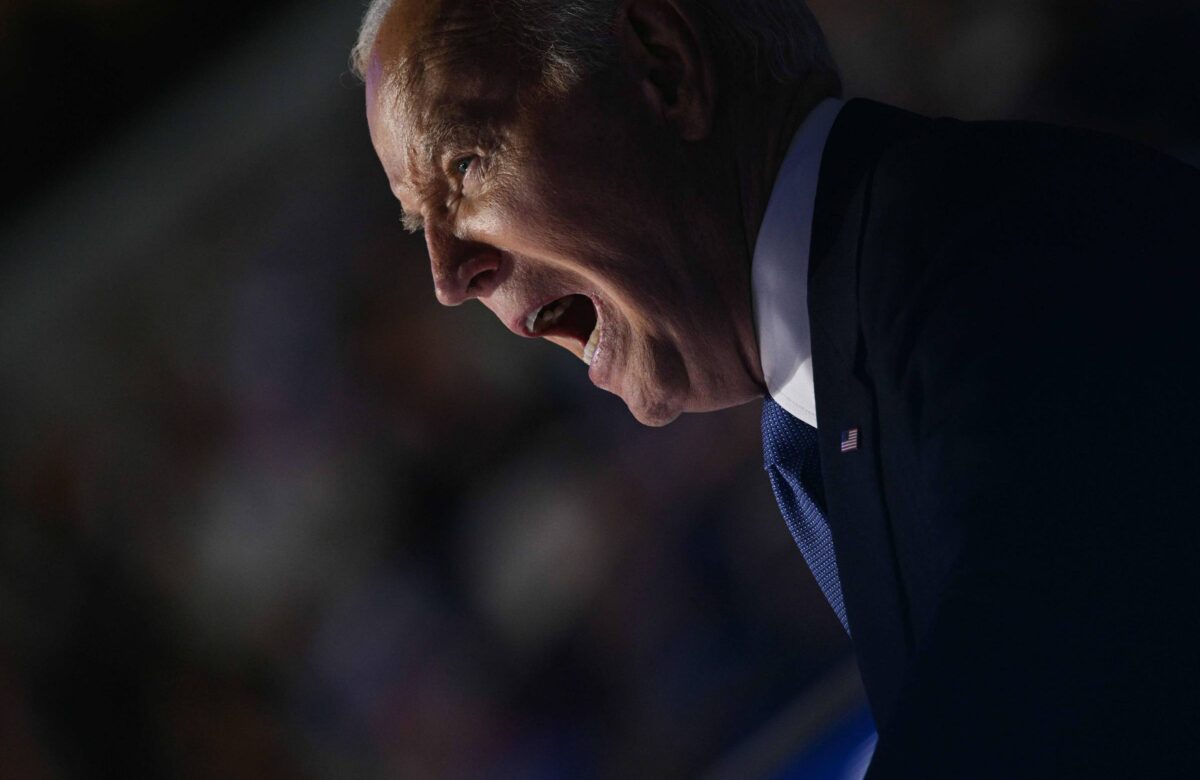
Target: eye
[{"x": 463, "y": 164}]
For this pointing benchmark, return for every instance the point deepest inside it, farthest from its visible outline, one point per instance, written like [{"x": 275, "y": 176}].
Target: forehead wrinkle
[
  {"x": 461, "y": 133},
  {"x": 456, "y": 45},
  {"x": 436, "y": 121}
]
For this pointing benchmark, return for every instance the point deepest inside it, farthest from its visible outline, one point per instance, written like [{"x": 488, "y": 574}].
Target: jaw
[
  {"x": 696, "y": 374},
  {"x": 654, "y": 383}
]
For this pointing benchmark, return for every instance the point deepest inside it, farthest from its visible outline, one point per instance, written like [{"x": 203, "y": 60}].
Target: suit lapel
[{"x": 876, "y": 603}]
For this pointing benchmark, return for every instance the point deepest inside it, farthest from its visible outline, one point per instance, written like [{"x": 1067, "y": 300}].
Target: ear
[{"x": 672, "y": 62}]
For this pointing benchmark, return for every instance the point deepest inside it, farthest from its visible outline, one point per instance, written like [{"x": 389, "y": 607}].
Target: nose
[{"x": 462, "y": 269}]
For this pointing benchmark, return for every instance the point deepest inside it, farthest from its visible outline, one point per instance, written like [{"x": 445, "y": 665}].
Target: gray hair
[{"x": 772, "y": 39}]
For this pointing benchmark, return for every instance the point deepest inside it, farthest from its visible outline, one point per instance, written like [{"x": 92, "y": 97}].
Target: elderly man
[{"x": 977, "y": 341}]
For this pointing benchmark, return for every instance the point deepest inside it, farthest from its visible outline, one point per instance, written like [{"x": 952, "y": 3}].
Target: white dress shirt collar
[{"x": 779, "y": 275}]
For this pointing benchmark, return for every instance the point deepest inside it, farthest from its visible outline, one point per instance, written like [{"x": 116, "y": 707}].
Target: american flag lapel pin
[{"x": 850, "y": 440}]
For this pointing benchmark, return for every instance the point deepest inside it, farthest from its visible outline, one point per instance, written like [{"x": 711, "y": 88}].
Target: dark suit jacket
[{"x": 1010, "y": 315}]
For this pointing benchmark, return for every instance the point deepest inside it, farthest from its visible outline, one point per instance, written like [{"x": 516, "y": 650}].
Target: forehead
[
  {"x": 438, "y": 66},
  {"x": 442, "y": 56}
]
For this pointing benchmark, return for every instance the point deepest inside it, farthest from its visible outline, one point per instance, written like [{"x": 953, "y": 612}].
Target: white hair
[
  {"x": 759, "y": 39},
  {"x": 368, "y": 31}
]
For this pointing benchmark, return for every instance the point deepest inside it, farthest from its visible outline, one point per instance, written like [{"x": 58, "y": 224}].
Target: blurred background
[{"x": 267, "y": 511}]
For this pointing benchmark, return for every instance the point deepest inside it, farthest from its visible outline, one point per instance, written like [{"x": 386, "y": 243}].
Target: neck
[{"x": 761, "y": 147}]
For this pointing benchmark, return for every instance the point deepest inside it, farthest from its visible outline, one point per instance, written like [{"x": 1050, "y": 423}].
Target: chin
[
  {"x": 655, "y": 386},
  {"x": 655, "y": 418},
  {"x": 651, "y": 410}
]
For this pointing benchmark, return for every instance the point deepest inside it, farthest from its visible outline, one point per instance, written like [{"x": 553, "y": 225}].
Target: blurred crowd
[{"x": 266, "y": 510}]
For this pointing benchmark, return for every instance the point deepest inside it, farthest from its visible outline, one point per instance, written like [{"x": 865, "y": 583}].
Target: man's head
[{"x": 574, "y": 165}]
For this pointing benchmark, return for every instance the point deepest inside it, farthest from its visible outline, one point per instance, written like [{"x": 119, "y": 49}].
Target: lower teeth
[{"x": 589, "y": 351}]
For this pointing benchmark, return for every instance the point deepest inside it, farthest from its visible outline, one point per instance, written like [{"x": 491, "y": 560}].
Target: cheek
[
  {"x": 537, "y": 216},
  {"x": 579, "y": 215}
]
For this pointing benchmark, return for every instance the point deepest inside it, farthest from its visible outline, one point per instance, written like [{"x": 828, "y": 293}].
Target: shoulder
[
  {"x": 953, "y": 175},
  {"x": 1013, "y": 204}
]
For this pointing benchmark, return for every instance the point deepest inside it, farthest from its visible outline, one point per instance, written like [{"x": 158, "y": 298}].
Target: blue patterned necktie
[{"x": 793, "y": 462}]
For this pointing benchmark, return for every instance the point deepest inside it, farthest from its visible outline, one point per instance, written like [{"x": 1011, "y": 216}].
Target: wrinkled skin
[{"x": 616, "y": 188}]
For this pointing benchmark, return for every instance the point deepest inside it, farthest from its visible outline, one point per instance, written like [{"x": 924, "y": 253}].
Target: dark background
[{"x": 268, "y": 511}]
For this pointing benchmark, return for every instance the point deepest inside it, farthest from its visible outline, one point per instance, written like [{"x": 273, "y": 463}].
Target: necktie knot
[{"x": 792, "y": 445}]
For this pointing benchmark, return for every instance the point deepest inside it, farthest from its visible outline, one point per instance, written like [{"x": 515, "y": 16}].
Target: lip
[{"x": 598, "y": 371}]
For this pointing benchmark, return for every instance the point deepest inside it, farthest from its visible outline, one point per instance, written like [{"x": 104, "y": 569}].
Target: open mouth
[{"x": 573, "y": 317}]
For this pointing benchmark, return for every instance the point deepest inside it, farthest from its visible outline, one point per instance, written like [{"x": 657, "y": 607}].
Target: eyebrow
[
  {"x": 413, "y": 223},
  {"x": 456, "y": 133}
]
